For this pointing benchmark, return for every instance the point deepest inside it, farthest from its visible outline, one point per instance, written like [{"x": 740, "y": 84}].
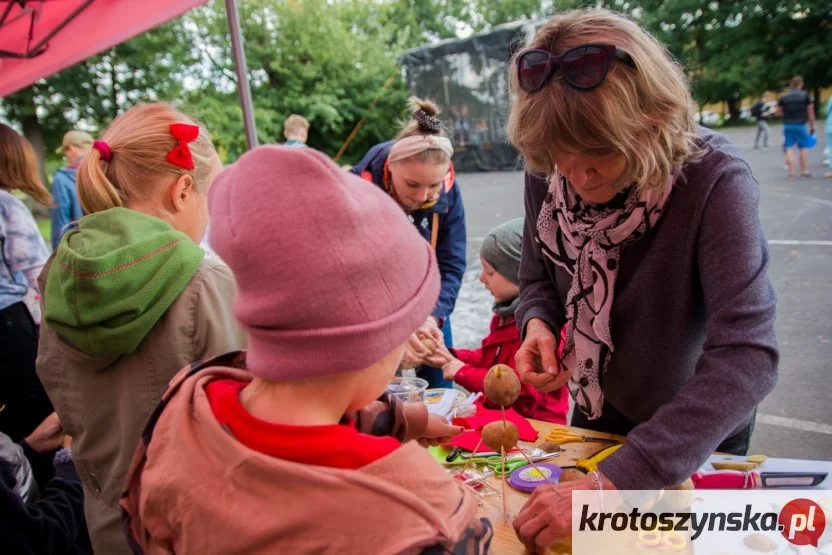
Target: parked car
[{"x": 707, "y": 117}]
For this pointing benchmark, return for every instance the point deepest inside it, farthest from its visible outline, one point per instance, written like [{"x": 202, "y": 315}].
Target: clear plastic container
[{"x": 409, "y": 390}]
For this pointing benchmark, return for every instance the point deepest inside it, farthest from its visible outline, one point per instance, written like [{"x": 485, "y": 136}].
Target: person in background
[
  {"x": 41, "y": 514},
  {"x": 828, "y": 175},
  {"x": 758, "y": 111},
  {"x": 301, "y": 420},
  {"x": 500, "y": 258},
  {"x": 67, "y": 210},
  {"x": 797, "y": 108},
  {"x": 296, "y": 131},
  {"x": 23, "y": 252},
  {"x": 416, "y": 171},
  {"x": 129, "y": 298}
]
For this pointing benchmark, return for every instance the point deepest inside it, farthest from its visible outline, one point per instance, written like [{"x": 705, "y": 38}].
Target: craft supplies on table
[
  {"x": 409, "y": 390},
  {"x": 563, "y": 435},
  {"x": 476, "y": 481},
  {"x": 527, "y": 478},
  {"x": 470, "y": 439},
  {"x": 812, "y": 470},
  {"x": 450, "y": 403},
  {"x": 443, "y": 402}
]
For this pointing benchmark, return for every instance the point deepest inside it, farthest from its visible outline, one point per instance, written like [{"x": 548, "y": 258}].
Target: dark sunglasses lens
[
  {"x": 533, "y": 70},
  {"x": 585, "y": 67}
]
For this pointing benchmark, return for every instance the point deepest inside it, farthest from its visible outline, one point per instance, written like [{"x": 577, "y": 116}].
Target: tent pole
[{"x": 242, "y": 72}]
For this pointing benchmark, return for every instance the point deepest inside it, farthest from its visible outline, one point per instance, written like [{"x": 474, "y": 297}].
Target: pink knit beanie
[{"x": 331, "y": 275}]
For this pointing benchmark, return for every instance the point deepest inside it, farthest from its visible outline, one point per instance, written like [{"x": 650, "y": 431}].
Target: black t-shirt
[{"x": 795, "y": 106}]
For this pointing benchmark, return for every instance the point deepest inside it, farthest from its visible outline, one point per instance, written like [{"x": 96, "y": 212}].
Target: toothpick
[
  {"x": 505, "y": 511},
  {"x": 503, "y": 408},
  {"x": 528, "y": 460},
  {"x": 474, "y": 454}
]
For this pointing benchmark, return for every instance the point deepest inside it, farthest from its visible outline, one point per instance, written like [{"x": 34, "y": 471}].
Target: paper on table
[{"x": 445, "y": 405}]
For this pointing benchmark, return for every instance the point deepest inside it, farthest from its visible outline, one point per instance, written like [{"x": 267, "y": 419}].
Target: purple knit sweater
[{"x": 692, "y": 319}]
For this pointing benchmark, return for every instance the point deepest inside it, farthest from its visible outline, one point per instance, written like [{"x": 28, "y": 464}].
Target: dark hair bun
[{"x": 427, "y": 122}]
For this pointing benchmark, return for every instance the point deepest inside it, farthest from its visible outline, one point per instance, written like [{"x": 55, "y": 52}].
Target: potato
[
  {"x": 500, "y": 434},
  {"x": 429, "y": 344},
  {"x": 549, "y": 447},
  {"x": 502, "y": 386}
]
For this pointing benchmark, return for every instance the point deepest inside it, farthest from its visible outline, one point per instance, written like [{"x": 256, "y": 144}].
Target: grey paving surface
[{"x": 796, "y": 419}]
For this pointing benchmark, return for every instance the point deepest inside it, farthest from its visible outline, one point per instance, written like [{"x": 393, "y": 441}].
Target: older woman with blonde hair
[{"x": 643, "y": 260}]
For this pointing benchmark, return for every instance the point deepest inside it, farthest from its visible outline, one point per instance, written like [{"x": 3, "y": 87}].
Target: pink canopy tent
[{"x": 41, "y": 37}]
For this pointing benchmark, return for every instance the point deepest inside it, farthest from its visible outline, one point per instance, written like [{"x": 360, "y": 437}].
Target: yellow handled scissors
[{"x": 563, "y": 435}]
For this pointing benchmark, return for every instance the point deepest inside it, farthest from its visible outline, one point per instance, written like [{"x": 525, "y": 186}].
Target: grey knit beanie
[{"x": 502, "y": 248}]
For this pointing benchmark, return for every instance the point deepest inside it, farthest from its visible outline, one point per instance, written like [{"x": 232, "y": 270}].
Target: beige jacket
[{"x": 104, "y": 402}]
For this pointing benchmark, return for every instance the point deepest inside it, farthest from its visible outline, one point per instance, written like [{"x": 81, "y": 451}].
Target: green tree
[
  {"x": 736, "y": 49},
  {"x": 325, "y": 61}
]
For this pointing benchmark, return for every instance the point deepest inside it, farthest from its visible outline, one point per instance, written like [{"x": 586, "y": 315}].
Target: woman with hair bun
[{"x": 416, "y": 171}]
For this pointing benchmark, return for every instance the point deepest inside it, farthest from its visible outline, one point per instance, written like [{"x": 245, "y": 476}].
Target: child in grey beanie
[{"x": 500, "y": 257}]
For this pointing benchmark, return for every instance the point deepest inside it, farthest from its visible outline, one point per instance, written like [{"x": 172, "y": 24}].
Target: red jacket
[{"x": 499, "y": 347}]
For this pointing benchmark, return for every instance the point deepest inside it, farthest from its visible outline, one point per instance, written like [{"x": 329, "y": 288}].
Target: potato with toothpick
[
  {"x": 500, "y": 434},
  {"x": 501, "y": 386}
]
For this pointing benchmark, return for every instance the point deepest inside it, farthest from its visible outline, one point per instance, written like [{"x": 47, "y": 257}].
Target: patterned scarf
[{"x": 586, "y": 241}]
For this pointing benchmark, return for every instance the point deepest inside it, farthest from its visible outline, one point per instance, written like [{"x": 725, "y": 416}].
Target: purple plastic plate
[{"x": 526, "y": 478}]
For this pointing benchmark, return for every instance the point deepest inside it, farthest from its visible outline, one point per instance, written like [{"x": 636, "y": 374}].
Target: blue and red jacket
[{"x": 451, "y": 243}]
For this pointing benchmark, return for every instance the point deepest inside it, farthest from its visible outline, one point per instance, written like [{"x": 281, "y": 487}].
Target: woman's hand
[
  {"x": 547, "y": 515},
  {"x": 48, "y": 436},
  {"x": 537, "y": 364},
  {"x": 438, "y": 431},
  {"x": 431, "y": 329},
  {"x": 415, "y": 352}
]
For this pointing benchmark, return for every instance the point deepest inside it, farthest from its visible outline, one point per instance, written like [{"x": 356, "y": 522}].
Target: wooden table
[{"x": 505, "y": 540}]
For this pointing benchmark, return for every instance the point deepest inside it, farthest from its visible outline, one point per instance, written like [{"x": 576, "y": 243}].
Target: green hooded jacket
[{"x": 114, "y": 277}]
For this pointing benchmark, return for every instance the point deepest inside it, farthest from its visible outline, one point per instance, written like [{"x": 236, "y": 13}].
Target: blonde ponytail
[
  {"x": 95, "y": 191},
  {"x": 19, "y": 166},
  {"x": 139, "y": 141}
]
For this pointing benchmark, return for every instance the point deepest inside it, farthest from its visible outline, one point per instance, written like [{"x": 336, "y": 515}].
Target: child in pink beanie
[{"x": 293, "y": 446}]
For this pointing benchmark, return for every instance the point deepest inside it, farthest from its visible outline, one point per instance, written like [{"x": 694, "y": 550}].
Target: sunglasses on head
[{"x": 583, "y": 67}]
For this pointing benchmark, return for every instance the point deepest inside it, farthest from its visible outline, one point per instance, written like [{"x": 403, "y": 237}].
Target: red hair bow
[{"x": 180, "y": 156}]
